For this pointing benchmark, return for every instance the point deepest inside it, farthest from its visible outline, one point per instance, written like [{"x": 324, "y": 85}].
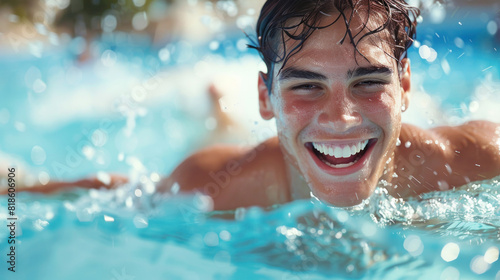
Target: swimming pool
[{"x": 136, "y": 110}]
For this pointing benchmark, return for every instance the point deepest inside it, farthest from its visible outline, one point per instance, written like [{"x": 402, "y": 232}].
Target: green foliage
[{"x": 86, "y": 15}]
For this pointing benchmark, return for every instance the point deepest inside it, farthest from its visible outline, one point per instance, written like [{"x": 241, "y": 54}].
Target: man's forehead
[{"x": 331, "y": 32}]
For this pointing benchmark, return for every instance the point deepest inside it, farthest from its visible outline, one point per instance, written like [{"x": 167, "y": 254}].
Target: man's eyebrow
[
  {"x": 295, "y": 73},
  {"x": 363, "y": 71}
]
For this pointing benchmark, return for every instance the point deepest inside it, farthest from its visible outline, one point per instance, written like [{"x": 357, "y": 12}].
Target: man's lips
[{"x": 340, "y": 155}]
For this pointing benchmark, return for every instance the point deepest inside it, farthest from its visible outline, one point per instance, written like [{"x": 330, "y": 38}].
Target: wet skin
[{"x": 325, "y": 97}]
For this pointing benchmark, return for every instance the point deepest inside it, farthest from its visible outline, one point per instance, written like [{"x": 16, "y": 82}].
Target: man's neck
[{"x": 298, "y": 186}]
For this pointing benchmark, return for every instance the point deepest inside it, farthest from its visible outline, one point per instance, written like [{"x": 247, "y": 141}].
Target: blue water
[
  {"x": 105, "y": 234},
  {"x": 131, "y": 233}
]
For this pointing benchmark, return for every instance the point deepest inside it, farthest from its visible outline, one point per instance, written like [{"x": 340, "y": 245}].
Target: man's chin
[{"x": 336, "y": 198}]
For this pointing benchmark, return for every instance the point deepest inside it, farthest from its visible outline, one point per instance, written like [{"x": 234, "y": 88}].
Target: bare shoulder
[
  {"x": 473, "y": 148},
  {"x": 445, "y": 157},
  {"x": 234, "y": 176}
]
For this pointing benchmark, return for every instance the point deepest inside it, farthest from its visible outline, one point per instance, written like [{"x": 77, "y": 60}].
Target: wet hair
[{"x": 281, "y": 20}]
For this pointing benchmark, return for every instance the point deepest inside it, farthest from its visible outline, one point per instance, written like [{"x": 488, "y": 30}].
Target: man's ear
[
  {"x": 405, "y": 83},
  {"x": 265, "y": 106}
]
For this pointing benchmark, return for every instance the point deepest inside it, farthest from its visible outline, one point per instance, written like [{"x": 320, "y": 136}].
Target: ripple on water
[{"x": 384, "y": 237}]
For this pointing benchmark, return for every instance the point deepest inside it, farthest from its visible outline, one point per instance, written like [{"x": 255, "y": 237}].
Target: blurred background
[{"x": 95, "y": 86}]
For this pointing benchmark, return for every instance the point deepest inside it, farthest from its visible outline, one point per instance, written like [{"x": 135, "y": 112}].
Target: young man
[{"x": 337, "y": 82}]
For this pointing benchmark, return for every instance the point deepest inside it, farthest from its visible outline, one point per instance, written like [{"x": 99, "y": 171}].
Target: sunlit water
[
  {"x": 132, "y": 233},
  {"x": 105, "y": 234}
]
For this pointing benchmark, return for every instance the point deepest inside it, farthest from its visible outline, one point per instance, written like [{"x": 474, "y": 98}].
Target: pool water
[
  {"x": 105, "y": 234},
  {"x": 62, "y": 121}
]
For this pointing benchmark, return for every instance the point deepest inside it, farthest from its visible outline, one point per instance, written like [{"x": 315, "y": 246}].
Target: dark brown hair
[{"x": 274, "y": 27}]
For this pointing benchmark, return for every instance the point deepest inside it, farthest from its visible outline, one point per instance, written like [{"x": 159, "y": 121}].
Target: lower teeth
[{"x": 342, "y": 165}]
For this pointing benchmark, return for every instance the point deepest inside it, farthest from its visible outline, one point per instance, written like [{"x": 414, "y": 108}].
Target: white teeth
[
  {"x": 347, "y": 152},
  {"x": 340, "y": 152}
]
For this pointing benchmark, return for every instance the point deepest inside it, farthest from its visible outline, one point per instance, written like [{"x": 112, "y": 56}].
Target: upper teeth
[{"x": 343, "y": 151}]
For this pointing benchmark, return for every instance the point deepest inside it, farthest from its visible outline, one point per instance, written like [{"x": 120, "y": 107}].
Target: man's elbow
[{"x": 185, "y": 178}]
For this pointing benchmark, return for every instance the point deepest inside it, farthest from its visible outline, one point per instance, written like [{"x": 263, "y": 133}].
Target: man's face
[{"x": 338, "y": 120}]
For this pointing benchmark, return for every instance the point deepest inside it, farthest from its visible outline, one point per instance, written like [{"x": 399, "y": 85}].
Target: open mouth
[{"x": 340, "y": 155}]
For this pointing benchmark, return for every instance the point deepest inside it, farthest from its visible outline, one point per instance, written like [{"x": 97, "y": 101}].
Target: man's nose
[{"x": 339, "y": 113}]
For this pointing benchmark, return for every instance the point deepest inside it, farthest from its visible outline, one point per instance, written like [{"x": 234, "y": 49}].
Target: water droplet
[
  {"x": 445, "y": 66},
  {"x": 443, "y": 185},
  {"x": 424, "y": 51},
  {"x": 155, "y": 177},
  {"x": 413, "y": 245},
  {"x": 450, "y": 252},
  {"x": 104, "y": 177},
  {"x": 450, "y": 273},
  {"x": 140, "y": 222},
  {"x": 369, "y": 229},
  {"x": 88, "y": 152},
  {"x": 492, "y": 27},
  {"x": 108, "y": 23},
  {"x": 39, "y": 86},
  {"x": 138, "y": 193},
  {"x": 225, "y": 235},
  {"x": 473, "y": 106},
  {"x": 459, "y": 42},
  {"x": 108, "y": 218},
  {"x": 448, "y": 168},
  {"x": 139, "y": 3},
  {"x": 242, "y": 45},
  {"x": 491, "y": 255},
  {"x": 437, "y": 14},
  {"x": 43, "y": 178},
  {"x": 214, "y": 45},
  {"x": 478, "y": 265},
  {"x": 99, "y": 137},
  {"x": 408, "y": 144},
  {"x": 175, "y": 188},
  {"x": 239, "y": 214},
  {"x": 40, "y": 224},
  {"x": 129, "y": 202},
  {"x": 164, "y": 55},
  {"x": 38, "y": 155},
  {"x": 211, "y": 239},
  {"x": 108, "y": 58},
  {"x": 140, "y": 21}
]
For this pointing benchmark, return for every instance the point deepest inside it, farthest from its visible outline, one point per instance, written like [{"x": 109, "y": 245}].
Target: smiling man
[{"x": 337, "y": 82}]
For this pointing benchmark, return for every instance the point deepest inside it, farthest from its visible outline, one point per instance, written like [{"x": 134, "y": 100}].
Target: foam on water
[{"x": 105, "y": 233}]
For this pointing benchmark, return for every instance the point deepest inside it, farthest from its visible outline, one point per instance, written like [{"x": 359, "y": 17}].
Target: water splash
[{"x": 384, "y": 237}]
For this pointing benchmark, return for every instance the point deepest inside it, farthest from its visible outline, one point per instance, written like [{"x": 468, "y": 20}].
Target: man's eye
[
  {"x": 305, "y": 87},
  {"x": 371, "y": 83}
]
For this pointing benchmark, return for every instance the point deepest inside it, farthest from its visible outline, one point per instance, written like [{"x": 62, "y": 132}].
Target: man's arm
[
  {"x": 87, "y": 183},
  {"x": 234, "y": 177},
  {"x": 446, "y": 157}
]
